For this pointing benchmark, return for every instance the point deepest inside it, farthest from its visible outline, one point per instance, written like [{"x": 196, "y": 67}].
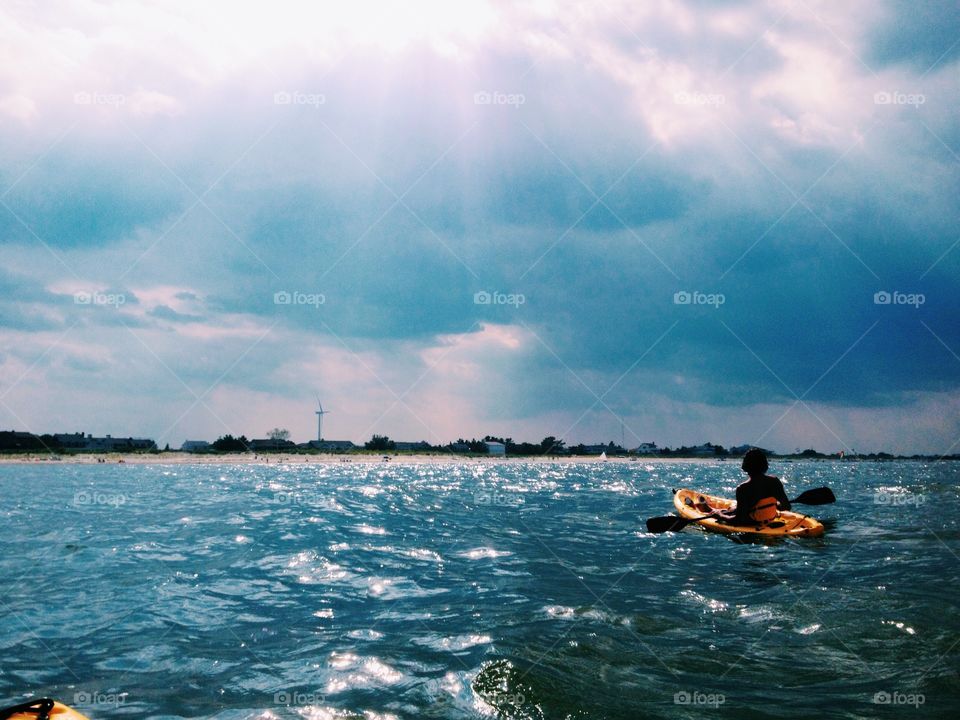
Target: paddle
[{"x": 671, "y": 523}]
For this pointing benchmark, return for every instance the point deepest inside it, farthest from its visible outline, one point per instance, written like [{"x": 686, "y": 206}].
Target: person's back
[{"x": 759, "y": 498}]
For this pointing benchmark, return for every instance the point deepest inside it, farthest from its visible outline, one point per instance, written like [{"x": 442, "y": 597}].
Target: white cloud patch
[
  {"x": 18, "y": 107},
  {"x": 150, "y": 102}
]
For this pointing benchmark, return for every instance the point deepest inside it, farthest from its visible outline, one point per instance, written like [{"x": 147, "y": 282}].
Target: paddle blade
[
  {"x": 666, "y": 523},
  {"x": 816, "y": 496}
]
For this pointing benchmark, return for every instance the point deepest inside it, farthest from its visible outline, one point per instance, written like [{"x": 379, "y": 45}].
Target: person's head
[{"x": 754, "y": 462}]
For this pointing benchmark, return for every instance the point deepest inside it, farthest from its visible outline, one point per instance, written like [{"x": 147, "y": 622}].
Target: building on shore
[
  {"x": 743, "y": 449},
  {"x": 707, "y": 450},
  {"x": 647, "y": 448},
  {"x": 609, "y": 449},
  {"x": 271, "y": 445},
  {"x": 496, "y": 449},
  {"x": 194, "y": 446},
  {"x": 71, "y": 441},
  {"x": 18, "y": 441},
  {"x": 328, "y": 445},
  {"x": 419, "y": 446},
  {"x": 112, "y": 444}
]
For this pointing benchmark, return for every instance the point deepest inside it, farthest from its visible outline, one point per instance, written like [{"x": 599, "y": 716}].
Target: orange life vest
[{"x": 765, "y": 510}]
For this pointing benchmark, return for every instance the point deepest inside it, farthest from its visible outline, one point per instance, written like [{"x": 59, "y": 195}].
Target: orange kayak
[
  {"x": 31, "y": 711},
  {"x": 692, "y": 504}
]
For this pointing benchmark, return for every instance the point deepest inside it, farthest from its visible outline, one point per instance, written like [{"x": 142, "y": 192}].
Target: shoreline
[
  {"x": 180, "y": 458},
  {"x": 177, "y": 458}
]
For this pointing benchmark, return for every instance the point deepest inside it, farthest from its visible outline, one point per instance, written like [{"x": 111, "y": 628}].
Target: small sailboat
[{"x": 603, "y": 456}]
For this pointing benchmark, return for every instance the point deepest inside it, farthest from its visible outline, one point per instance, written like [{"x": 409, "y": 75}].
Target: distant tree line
[
  {"x": 380, "y": 442},
  {"x": 26, "y": 442},
  {"x": 228, "y": 443}
]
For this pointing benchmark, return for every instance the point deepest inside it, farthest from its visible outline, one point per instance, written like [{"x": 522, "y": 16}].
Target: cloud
[
  {"x": 923, "y": 35},
  {"x": 597, "y": 160},
  {"x": 19, "y": 107},
  {"x": 151, "y": 102},
  {"x": 165, "y": 312},
  {"x": 89, "y": 193}
]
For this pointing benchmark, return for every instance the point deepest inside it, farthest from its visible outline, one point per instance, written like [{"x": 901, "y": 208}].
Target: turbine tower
[{"x": 320, "y": 413}]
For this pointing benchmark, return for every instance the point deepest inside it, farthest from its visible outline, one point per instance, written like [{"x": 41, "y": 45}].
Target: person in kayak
[{"x": 760, "y": 498}]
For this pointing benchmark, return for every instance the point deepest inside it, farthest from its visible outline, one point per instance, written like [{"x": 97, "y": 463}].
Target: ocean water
[{"x": 473, "y": 591}]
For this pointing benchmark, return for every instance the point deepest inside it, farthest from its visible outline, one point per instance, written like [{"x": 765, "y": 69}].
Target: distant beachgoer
[{"x": 760, "y": 498}]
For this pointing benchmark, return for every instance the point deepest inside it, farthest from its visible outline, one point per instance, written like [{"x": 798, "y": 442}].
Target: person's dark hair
[{"x": 754, "y": 462}]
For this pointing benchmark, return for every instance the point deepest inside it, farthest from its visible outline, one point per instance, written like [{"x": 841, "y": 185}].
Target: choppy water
[{"x": 513, "y": 591}]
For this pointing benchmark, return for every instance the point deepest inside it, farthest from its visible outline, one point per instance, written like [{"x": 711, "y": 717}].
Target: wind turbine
[{"x": 320, "y": 413}]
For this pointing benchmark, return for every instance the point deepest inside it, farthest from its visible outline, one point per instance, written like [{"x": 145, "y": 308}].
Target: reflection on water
[{"x": 484, "y": 591}]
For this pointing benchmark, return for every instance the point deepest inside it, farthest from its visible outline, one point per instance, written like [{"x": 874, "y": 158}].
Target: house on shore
[
  {"x": 329, "y": 445},
  {"x": 743, "y": 449},
  {"x": 706, "y": 450},
  {"x": 271, "y": 445},
  {"x": 420, "y": 446},
  {"x": 112, "y": 444},
  {"x": 194, "y": 446},
  {"x": 71, "y": 441},
  {"x": 609, "y": 448},
  {"x": 17, "y": 440},
  {"x": 496, "y": 449}
]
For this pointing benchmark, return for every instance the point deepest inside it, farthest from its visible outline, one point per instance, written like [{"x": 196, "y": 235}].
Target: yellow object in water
[
  {"x": 691, "y": 504},
  {"x": 58, "y": 711}
]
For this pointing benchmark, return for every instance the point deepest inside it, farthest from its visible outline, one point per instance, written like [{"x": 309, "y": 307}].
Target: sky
[{"x": 675, "y": 222}]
